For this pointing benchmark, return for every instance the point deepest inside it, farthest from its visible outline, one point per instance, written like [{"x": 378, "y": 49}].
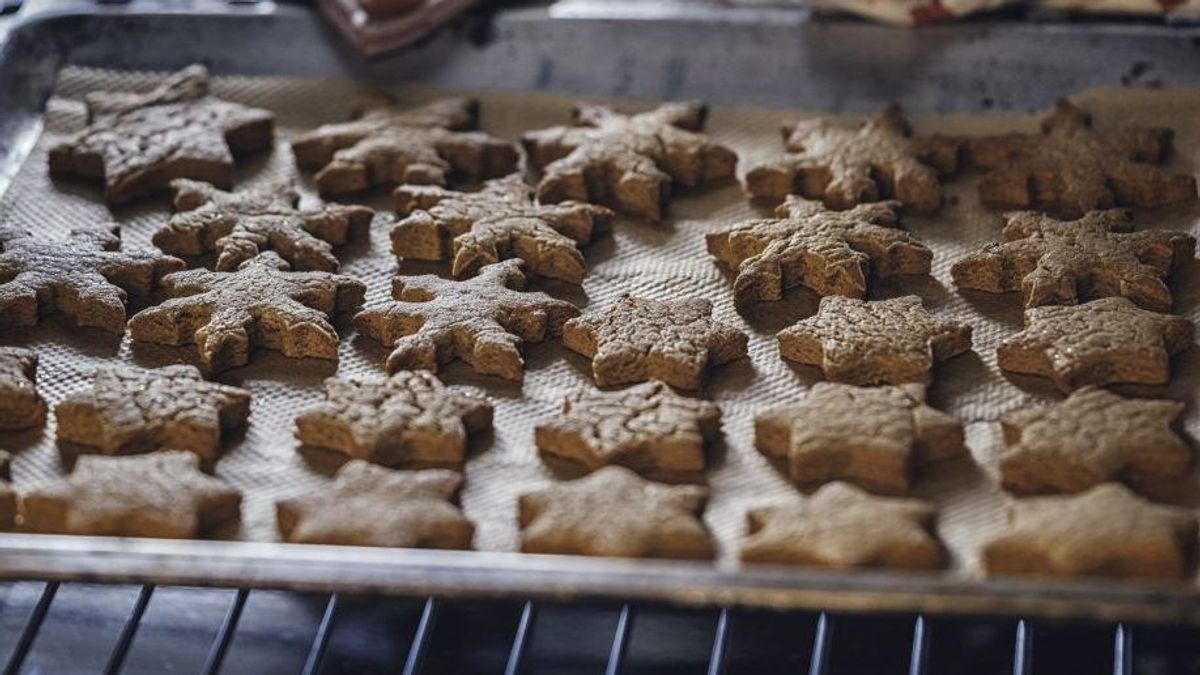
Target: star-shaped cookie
[
  {"x": 1055, "y": 262},
  {"x": 161, "y": 494},
  {"x": 616, "y": 513},
  {"x": 1100, "y": 342},
  {"x": 261, "y": 304},
  {"x": 845, "y": 166},
  {"x": 499, "y": 221},
  {"x": 239, "y": 225},
  {"x": 636, "y": 339},
  {"x": 874, "y": 342},
  {"x": 1070, "y": 168},
  {"x": 138, "y": 143},
  {"x": 384, "y": 144},
  {"x": 647, "y": 427},
  {"x": 369, "y": 505},
  {"x": 134, "y": 410},
  {"x": 409, "y": 419},
  {"x": 1106, "y": 531},
  {"x": 482, "y": 320},
  {"x": 842, "y": 527},
  {"x": 84, "y": 276},
  {"x": 21, "y": 406},
  {"x": 628, "y": 162},
  {"x": 874, "y": 437},
  {"x": 807, "y": 244}
]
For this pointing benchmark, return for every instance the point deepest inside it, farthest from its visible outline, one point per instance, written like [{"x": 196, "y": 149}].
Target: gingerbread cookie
[
  {"x": 482, "y": 320},
  {"x": 261, "y": 304},
  {"x": 368, "y": 505},
  {"x": 161, "y": 494},
  {"x": 628, "y": 162},
  {"x": 8, "y": 496},
  {"x": 1055, "y": 262},
  {"x": 407, "y": 419},
  {"x": 616, "y": 513},
  {"x": 85, "y": 277},
  {"x": 136, "y": 410},
  {"x": 384, "y": 144},
  {"x": 239, "y": 225},
  {"x": 874, "y": 342},
  {"x": 498, "y": 222},
  {"x": 848, "y": 166},
  {"x": 1106, "y": 531},
  {"x": 806, "y": 244},
  {"x": 138, "y": 143},
  {"x": 842, "y": 527},
  {"x": 1100, "y": 342},
  {"x": 21, "y": 406},
  {"x": 636, "y": 339},
  {"x": 874, "y": 437},
  {"x": 647, "y": 427}
]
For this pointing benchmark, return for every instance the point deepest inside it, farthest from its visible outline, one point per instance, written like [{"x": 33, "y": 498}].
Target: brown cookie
[
  {"x": 848, "y": 166},
  {"x": 874, "y": 342},
  {"x": 647, "y": 427},
  {"x": 8, "y": 496},
  {"x": 409, "y": 419},
  {"x": 384, "y": 144},
  {"x": 262, "y": 304},
  {"x": 830, "y": 252},
  {"x": 635, "y": 340},
  {"x": 1092, "y": 437},
  {"x": 161, "y": 494},
  {"x": 1106, "y": 531},
  {"x": 21, "y": 406},
  {"x": 616, "y": 513},
  {"x": 842, "y": 527},
  {"x": 628, "y": 162},
  {"x": 482, "y": 320},
  {"x": 874, "y": 437},
  {"x": 500, "y": 221},
  {"x": 1100, "y": 342},
  {"x": 1055, "y": 262},
  {"x": 240, "y": 225},
  {"x": 135, "y": 410},
  {"x": 138, "y": 143},
  {"x": 84, "y": 276},
  {"x": 369, "y": 505}
]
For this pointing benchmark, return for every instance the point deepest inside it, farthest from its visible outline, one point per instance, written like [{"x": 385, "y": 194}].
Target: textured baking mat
[{"x": 658, "y": 261}]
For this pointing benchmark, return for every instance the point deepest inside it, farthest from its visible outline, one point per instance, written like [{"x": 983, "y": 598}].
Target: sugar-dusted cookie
[
  {"x": 8, "y": 496},
  {"x": 842, "y": 527},
  {"x": 616, "y": 513},
  {"x": 21, "y": 406},
  {"x": 161, "y": 494},
  {"x": 385, "y": 144},
  {"x": 239, "y": 225},
  {"x": 138, "y": 143},
  {"x": 1106, "y": 531},
  {"x": 133, "y": 410},
  {"x": 874, "y": 437},
  {"x": 845, "y": 166},
  {"x": 482, "y": 320},
  {"x": 369, "y": 505},
  {"x": 409, "y": 419},
  {"x": 261, "y": 304},
  {"x": 1100, "y": 342},
  {"x": 1056, "y": 262},
  {"x": 1070, "y": 168},
  {"x": 874, "y": 342},
  {"x": 807, "y": 244},
  {"x": 647, "y": 427},
  {"x": 499, "y": 221},
  {"x": 636, "y": 339},
  {"x": 84, "y": 276},
  {"x": 1092, "y": 437},
  {"x": 628, "y": 162}
]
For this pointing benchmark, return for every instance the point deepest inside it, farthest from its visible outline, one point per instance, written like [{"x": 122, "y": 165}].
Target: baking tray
[{"x": 774, "y": 59}]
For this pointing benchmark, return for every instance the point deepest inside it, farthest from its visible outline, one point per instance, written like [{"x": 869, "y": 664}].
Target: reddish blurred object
[{"x": 378, "y": 26}]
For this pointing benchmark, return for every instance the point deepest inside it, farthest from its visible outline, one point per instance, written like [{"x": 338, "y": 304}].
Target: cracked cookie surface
[{"x": 21, "y": 406}]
